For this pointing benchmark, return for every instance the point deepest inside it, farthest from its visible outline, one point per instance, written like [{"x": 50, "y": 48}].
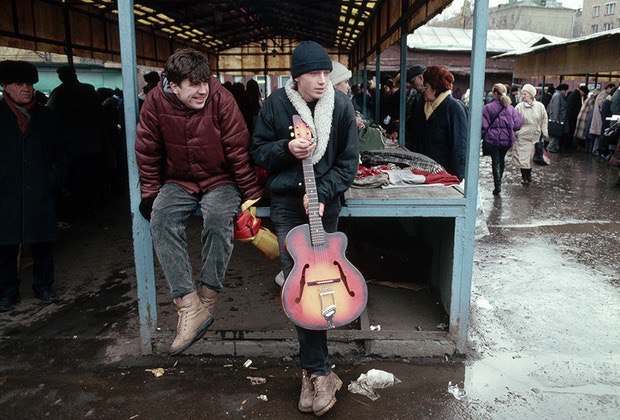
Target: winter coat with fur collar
[{"x": 337, "y": 146}]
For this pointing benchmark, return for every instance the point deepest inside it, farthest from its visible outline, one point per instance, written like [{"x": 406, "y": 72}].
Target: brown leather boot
[
  {"x": 325, "y": 388},
  {"x": 194, "y": 319},
  {"x": 208, "y": 298},
  {"x": 307, "y": 393}
]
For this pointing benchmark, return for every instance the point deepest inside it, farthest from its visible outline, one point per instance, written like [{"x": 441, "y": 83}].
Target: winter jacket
[
  {"x": 535, "y": 122},
  {"x": 615, "y": 102},
  {"x": 80, "y": 109},
  {"x": 196, "y": 149},
  {"x": 597, "y": 121},
  {"x": 557, "y": 107},
  {"x": 499, "y": 124},
  {"x": 32, "y": 166},
  {"x": 334, "y": 172},
  {"x": 443, "y": 137},
  {"x": 582, "y": 118}
]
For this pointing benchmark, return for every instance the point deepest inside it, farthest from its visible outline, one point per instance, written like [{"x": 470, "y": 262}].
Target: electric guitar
[{"x": 323, "y": 290}]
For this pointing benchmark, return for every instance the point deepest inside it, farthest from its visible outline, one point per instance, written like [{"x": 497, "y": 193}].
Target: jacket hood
[{"x": 164, "y": 88}]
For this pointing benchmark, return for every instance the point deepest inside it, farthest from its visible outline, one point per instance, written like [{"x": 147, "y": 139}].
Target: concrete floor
[{"x": 543, "y": 336}]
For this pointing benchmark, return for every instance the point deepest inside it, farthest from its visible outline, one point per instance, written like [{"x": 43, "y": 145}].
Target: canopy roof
[
  {"x": 429, "y": 38},
  {"x": 239, "y": 35}
]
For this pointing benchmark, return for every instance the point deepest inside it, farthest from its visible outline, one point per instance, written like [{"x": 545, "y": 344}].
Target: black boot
[
  {"x": 524, "y": 180},
  {"x": 529, "y": 176},
  {"x": 498, "y": 189}
]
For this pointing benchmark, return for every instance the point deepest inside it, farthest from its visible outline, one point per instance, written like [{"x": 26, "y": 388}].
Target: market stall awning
[{"x": 241, "y": 36}]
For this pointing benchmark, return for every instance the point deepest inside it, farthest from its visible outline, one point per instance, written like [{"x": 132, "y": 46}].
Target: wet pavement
[{"x": 543, "y": 338}]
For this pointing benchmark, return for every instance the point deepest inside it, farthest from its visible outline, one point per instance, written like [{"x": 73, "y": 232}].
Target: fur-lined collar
[{"x": 321, "y": 125}]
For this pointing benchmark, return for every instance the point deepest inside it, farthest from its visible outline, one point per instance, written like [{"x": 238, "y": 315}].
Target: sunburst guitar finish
[{"x": 323, "y": 290}]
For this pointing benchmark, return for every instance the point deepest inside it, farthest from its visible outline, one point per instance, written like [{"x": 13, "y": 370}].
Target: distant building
[
  {"x": 451, "y": 47},
  {"x": 548, "y": 17},
  {"x": 599, "y": 16}
]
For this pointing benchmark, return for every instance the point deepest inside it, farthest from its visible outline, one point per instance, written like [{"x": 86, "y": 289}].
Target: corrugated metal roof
[
  {"x": 456, "y": 39},
  {"x": 525, "y": 51}
]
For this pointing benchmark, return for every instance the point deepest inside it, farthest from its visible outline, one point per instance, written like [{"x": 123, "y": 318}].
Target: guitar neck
[{"x": 317, "y": 233}]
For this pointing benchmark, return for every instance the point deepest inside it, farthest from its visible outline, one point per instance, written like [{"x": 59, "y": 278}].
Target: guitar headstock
[{"x": 301, "y": 129}]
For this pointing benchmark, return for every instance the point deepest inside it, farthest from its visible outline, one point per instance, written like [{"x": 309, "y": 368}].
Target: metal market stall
[{"x": 257, "y": 38}]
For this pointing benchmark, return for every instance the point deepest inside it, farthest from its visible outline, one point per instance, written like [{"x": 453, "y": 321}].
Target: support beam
[
  {"x": 403, "y": 87},
  {"x": 68, "y": 42},
  {"x": 461, "y": 293},
  {"x": 142, "y": 241},
  {"x": 587, "y": 79},
  {"x": 378, "y": 88},
  {"x": 365, "y": 87}
]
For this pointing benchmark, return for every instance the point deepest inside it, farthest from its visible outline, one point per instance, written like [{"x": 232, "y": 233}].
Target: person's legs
[
  {"x": 523, "y": 176},
  {"x": 43, "y": 271},
  {"x": 9, "y": 283},
  {"x": 495, "y": 166},
  {"x": 598, "y": 142},
  {"x": 502, "y": 161},
  {"x": 218, "y": 207},
  {"x": 171, "y": 210},
  {"x": 554, "y": 145}
]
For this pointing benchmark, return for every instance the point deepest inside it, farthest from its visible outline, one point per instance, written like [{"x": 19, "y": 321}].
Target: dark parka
[
  {"x": 337, "y": 168},
  {"x": 32, "y": 166},
  {"x": 443, "y": 137},
  {"x": 196, "y": 149}
]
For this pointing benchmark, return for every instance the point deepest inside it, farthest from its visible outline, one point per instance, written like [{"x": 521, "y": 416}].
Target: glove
[{"x": 146, "y": 207}]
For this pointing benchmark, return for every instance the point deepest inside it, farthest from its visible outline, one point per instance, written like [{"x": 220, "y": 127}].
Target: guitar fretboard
[{"x": 317, "y": 233}]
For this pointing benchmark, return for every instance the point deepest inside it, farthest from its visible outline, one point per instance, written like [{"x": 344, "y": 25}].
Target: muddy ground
[{"x": 543, "y": 337}]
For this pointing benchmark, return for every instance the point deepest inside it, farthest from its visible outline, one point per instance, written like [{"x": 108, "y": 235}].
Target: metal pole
[
  {"x": 365, "y": 89},
  {"x": 587, "y": 79},
  {"x": 464, "y": 246},
  {"x": 69, "y": 43},
  {"x": 403, "y": 86},
  {"x": 542, "y": 90},
  {"x": 595, "y": 80},
  {"x": 142, "y": 241},
  {"x": 378, "y": 88}
]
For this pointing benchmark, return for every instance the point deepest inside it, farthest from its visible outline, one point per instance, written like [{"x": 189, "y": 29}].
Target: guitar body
[{"x": 323, "y": 290}]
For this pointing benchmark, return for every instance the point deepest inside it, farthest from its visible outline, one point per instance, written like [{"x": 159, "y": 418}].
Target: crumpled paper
[{"x": 372, "y": 380}]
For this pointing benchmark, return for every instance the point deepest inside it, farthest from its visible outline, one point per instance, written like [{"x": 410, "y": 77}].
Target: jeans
[
  {"x": 171, "y": 211},
  {"x": 498, "y": 161},
  {"x": 287, "y": 212},
  {"x": 42, "y": 268}
]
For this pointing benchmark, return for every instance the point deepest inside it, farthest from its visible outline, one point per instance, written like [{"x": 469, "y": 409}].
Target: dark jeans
[
  {"x": 171, "y": 210},
  {"x": 42, "y": 268},
  {"x": 498, "y": 161},
  {"x": 288, "y": 212}
]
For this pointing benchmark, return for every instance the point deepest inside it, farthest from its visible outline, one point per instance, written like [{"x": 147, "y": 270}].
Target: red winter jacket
[{"x": 196, "y": 149}]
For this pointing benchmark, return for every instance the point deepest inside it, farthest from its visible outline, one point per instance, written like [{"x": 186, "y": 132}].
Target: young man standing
[
  {"x": 192, "y": 150},
  {"x": 334, "y": 153}
]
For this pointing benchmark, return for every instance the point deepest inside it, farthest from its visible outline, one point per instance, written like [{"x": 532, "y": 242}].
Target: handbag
[
  {"x": 556, "y": 129},
  {"x": 541, "y": 156}
]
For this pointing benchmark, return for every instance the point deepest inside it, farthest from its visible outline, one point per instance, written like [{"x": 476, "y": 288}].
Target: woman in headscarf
[
  {"x": 440, "y": 123},
  {"x": 534, "y": 126},
  {"x": 499, "y": 122}
]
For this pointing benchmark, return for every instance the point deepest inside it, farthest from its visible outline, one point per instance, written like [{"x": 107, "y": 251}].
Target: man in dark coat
[
  {"x": 34, "y": 158},
  {"x": 192, "y": 151},
  {"x": 80, "y": 109},
  {"x": 573, "y": 106},
  {"x": 514, "y": 94},
  {"x": 334, "y": 153},
  {"x": 545, "y": 98},
  {"x": 415, "y": 98}
]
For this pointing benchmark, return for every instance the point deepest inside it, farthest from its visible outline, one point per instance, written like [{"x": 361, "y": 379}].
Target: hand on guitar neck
[
  {"x": 321, "y": 206},
  {"x": 301, "y": 147}
]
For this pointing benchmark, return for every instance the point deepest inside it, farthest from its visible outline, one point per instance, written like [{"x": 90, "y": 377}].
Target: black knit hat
[
  {"x": 309, "y": 56},
  {"x": 414, "y": 71},
  {"x": 18, "y": 72}
]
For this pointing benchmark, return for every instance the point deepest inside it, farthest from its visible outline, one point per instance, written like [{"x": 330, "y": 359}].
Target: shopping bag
[{"x": 541, "y": 156}]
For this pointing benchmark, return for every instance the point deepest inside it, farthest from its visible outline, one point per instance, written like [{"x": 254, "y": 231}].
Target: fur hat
[
  {"x": 414, "y": 71},
  {"x": 339, "y": 73},
  {"x": 529, "y": 89},
  {"x": 18, "y": 72},
  {"x": 309, "y": 56}
]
